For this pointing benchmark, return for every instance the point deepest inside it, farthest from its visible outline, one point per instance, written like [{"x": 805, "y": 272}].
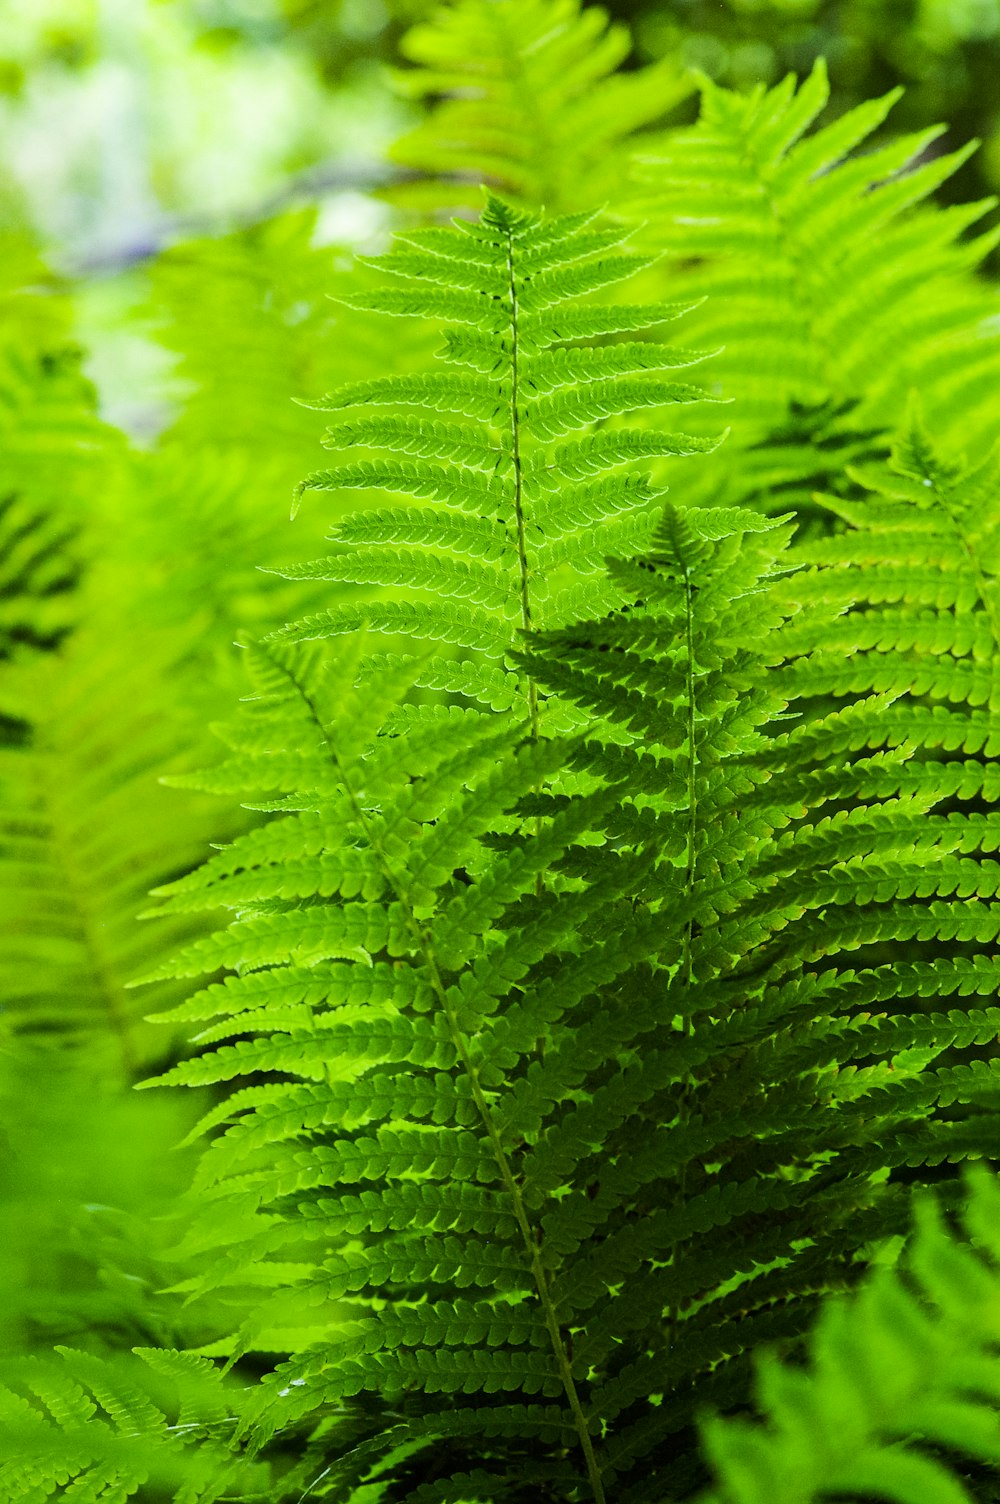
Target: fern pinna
[
  {"x": 901, "y": 597},
  {"x": 558, "y": 1117}
]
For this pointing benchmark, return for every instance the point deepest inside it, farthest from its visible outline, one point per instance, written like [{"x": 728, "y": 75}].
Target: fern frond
[
  {"x": 529, "y": 102},
  {"x": 511, "y": 290},
  {"x": 901, "y": 1380},
  {"x": 830, "y": 274},
  {"x": 88, "y": 1428},
  {"x": 562, "y": 1069}
]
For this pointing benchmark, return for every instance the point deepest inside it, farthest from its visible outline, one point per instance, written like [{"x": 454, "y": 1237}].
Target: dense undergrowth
[{"x": 579, "y": 956}]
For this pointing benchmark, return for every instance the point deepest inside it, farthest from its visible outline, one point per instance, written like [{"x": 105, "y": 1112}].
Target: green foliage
[
  {"x": 606, "y": 947},
  {"x": 77, "y": 1427},
  {"x": 86, "y": 830},
  {"x": 535, "y": 982},
  {"x": 865, "y": 293},
  {"x": 526, "y": 99},
  {"x": 902, "y": 1372}
]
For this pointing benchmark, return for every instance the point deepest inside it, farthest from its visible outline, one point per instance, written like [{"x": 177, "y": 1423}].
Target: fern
[
  {"x": 249, "y": 319},
  {"x": 826, "y": 274},
  {"x": 526, "y": 99},
  {"x": 752, "y": 909},
  {"x": 531, "y": 1045},
  {"x": 76, "y": 1427},
  {"x": 901, "y": 599},
  {"x": 85, "y": 831},
  {"x": 55, "y": 451},
  {"x": 437, "y": 782},
  {"x": 511, "y": 535},
  {"x": 906, "y": 1368},
  {"x": 610, "y": 949}
]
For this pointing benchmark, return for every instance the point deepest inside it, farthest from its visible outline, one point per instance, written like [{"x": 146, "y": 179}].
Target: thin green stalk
[
  {"x": 515, "y": 441},
  {"x": 686, "y": 965}
]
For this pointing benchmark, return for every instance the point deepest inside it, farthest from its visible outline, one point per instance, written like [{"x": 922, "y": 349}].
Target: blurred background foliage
[
  {"x": 129, "y": 122},
  {"x": 131, "y": 125}
]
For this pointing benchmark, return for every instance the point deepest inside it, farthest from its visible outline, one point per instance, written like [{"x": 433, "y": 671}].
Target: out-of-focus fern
[
  {"x": 903, "y": 1372},
  {"x": 526, "y": 99},
  {"x": 54, "y": 455},
  {"x": 88, "y": 1178},
  {"x": 77, "y": 1427},
  {"x": 826, "y": 277},
  {"x": 252, "y": 323},
  {"x": 85, "y": 831},
  {"x": 249, "y": 318}
]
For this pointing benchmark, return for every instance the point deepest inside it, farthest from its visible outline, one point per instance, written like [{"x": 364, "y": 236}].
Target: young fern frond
[
  {"x": 528, "y": 101},
  {"x": 903, "y": 1371}
]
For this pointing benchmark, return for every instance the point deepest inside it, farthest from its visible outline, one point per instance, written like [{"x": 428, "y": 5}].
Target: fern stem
[
  {"x": 424, "y": 943},
  {"x": 515, "y": 441},
  {"x": 686, "y": 968}
]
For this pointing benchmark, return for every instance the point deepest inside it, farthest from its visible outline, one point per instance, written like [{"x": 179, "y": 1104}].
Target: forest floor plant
[
  {"x": 604, "y": 943},
  {"x": 571, "y": 975}
]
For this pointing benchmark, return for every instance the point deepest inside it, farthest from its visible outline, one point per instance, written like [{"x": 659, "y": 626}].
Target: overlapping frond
[
  {"x": 900, "y": 599},
  {"x": 753, "y": 1180},
  {"x": 828, "y": 274},
  {"x": 527, "y": 100},
  {"x": 557, "y": 1117},
  {"x": 899, "y": 1395},
  {"x": 78, "y": 1427}
]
